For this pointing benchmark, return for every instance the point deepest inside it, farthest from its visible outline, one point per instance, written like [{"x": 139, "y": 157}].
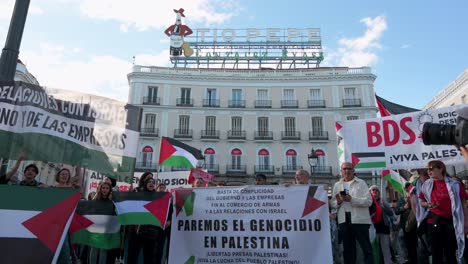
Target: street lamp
[{"x": 313, "y": 159}]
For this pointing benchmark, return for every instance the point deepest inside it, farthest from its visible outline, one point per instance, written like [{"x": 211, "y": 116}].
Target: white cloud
[
  {"x": 359, "y": 51},
  {"x": 145, "y": 14},
  {"x": 161, "y": 59},
  {"x": 55, "y": 66}
]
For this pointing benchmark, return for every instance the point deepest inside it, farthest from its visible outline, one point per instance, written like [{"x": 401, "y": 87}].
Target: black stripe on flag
[
  {"x": 95, "y": 208},
  {"x": 34, "y": 251},
  {"x": 369, "y": 154},
  {"x": 136, "y": 196}
]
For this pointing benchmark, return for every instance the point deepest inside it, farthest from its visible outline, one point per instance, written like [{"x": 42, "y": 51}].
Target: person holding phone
[{"x": 352, "y": 199}]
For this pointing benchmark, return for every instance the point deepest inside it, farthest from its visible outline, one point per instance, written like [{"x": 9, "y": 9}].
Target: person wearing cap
[
  {"x": 352, "y": 199},
  {"x": 260, "y": 179},
  {"x": 29, "y": 177},
  {"x": 382, "y": 218}
]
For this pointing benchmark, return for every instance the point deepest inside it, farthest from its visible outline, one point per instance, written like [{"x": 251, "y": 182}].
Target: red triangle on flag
[
  {"x": 79, "y": 222},
  {"x": 49, "y": 225},
  {"x": 311, "y": 203},
  {"x": 159, "y": 208},
  {"x": 355, "y": 160},
  {"x": 385, "y": 172},
  {"x": 181, "y": 196},
  {"x": 338, "y": 126},
  {"x": 166, "y": 150}
]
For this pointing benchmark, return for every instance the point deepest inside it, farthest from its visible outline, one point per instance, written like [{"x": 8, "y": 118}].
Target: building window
[
  {"x": 262, "y": 94},
  {"x": 352, "y": 118},
  {"x": 291, "y": 160},
  {"x": 209, "y": 158},
  {"x": 236, "y": 95},
  {"x": 288, "y": 94},
  {"x": 315, "y": 94},
  {"x": 185, "y": 96},
  {"x": 236, "y": 124},
  {"x": 236, "y": 155},
  {"x": 184, "y": 124},
  {"x": 147, "y": 156},
  {"x": 262, "y": 126},
  {"x": 263, "y": 159},
  {"x": 290, "y": 126},
  {"x": 317, "y": 126},
  {"x": 150, "y": 121},
  {"x": 350, "y": 93},
  {"x": 210, "y": 123}
]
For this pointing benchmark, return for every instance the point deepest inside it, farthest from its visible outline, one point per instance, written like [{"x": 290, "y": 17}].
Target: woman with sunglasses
[{"x": 447, "y": 217}]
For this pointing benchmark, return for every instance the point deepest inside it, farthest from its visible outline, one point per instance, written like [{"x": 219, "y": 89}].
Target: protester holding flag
[
  {"x": 382, "y": 218},
  {"x": 448, "y": 217}
]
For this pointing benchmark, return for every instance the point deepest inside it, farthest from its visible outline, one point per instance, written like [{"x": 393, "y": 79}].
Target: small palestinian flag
[
  {"x": 33, "y": 222},
  {"x": 184, "y": 200},
  {"x": 368, "y": 160},
  {"x": 177, "y": 154},
  {"x": 142, "y": 208},
  {"x": 96, "y": 224},
  {"x": 311, "y": 203},
  {"x": 398, "y": 182}
]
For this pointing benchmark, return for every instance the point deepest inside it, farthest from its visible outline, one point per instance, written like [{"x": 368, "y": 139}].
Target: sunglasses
[
  {"x": 431, "y": 168},
  {"x": 347, "y": 169}
]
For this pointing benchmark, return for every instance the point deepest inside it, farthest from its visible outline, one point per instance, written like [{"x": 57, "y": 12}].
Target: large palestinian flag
[
  {"x": 177, "y": 154},
  {"x": 95, "y": 224},
  {"x": 68, "y": 127},
  {"x": 387, "y": 108},
  {"x": 142, "y": 208},
  {"x": 33, "y": 222}
]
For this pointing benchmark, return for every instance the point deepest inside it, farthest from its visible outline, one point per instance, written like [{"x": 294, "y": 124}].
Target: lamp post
[{"x": 313, "y": 159}]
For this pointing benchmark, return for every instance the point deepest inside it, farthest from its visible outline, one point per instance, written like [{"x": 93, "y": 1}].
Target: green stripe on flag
[
  {"x": 396, "y": 184},
  {"x": 138, "y": 218},
  {"x": 48, "y": 197},
  {"x": 96, "y": 240},
  {"x": 177, "y": 161},
  {"x": 370, "y": 165}
]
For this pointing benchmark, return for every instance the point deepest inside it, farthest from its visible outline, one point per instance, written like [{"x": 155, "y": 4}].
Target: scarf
[
  {"x": 453, "y": 188},
  {"x": 377, "y": 216}
]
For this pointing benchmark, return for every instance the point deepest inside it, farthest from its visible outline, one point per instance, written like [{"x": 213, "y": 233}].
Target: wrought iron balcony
[
  {"x": 211, "y": 102},
  {"x": 322, "y": 170},
  {"x": 236, "y": 103},
  {"x": 149, "y": 132},
  {"x": 291, "y": 169},
  {"x": 235, "y": 169},
  {"x": 262, "y": 103},
  {"x": 351, "y": 102},
  {"x": 236, "y": 134},
  {"x": 211, "y": 168},
  {"x": 289, "y": 104},
  {"x": 184, "y": 102},
  {"x": 180, "y": 169},
  {"x": 145, "y": 166},
  {"x": 290, "y": 135},
  {"x": 151, "y": 100},
  {"x": 263, "y": 135},
  {"x": 183, "y": 133},
  {"x": 209, "y": 134},
  {"x": 316, "y": 103},
  {"x": 265, "y": 169},
  {"x": 318, "y": 135}
]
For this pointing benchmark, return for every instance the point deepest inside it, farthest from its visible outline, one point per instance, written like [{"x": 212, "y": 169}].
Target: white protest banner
[
  {"x": 394, "y": 142},
  {"x": 172, "y": 179},
  {"x": 251, "y": 224},
  {"x": 68, "y": 127}
]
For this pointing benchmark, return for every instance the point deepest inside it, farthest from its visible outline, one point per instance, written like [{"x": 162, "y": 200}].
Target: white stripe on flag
[
  {"x": 131, "y": 207},
  {"x": 186, "y": 154},
  {"x": 103, "y": 224},
  {"x": 10, "y": 223}
]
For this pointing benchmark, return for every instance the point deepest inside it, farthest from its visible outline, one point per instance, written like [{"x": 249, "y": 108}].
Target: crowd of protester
[{"x": 428, "y": 222}]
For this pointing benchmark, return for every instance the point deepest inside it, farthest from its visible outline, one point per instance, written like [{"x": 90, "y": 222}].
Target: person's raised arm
[{"x": 15, "y": 168}]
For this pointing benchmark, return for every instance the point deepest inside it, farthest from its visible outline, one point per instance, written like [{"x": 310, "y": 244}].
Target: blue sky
[{"x": 416, "y": 48}]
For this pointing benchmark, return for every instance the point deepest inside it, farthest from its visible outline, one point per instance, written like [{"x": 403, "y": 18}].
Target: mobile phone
[{"x": 343, "y": 193}]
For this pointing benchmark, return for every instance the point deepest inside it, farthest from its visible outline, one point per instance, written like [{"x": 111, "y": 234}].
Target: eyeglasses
[
  {"x": 431, "y": 168},
  {"x": 347, "y": 169}
]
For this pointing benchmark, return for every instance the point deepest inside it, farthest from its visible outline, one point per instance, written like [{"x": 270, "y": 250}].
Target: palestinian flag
[
  {"x": 95, "y": 224},
  {"x": 387, "y": 108},
  {"x": 177, "y": 154},
  {"x": 184, "y": 200},
  {"x": 398, "y": 182},
  {"x": 33, "y": 222},
  {"x": 368, "y": 160},
  {"x": 142, "y": 208}
]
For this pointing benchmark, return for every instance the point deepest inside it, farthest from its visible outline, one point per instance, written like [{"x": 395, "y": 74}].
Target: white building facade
[{"x": 250, "y": 121}]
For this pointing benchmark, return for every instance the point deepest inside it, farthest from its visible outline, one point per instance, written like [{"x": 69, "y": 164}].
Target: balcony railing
[
  {"x": 151, "y": 100},
  {"x": 291, "y": 169},
  {"x": 236, "y": 134},
  {"x": 289, "y": 104},
  {"x": 263, "y": 135},
  {"x": 211, "y": 168},
  {"x": 184, "y": 102},
  {"x": 180, "y": 169},
  {"x": 290, "y": 135},
  {"x": 322, "y": 170},
  {"x": 351, "y": 102},
  {"x": 236, "y": 103},
  {"x": 265, "y": 169},
  {"x": 149, "y": 132},
  {"x": 318, "y": 135},
  {"x": 262, "y": 103},
  {"x": 210, "y": 134},
  {"x": 211, "y": 102},
  {"x": 145, "y": 166},
  {"x": 183, "y": 133},
  {"x": 316, "y": 103},
  {"x": 234, "y": 169}
]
